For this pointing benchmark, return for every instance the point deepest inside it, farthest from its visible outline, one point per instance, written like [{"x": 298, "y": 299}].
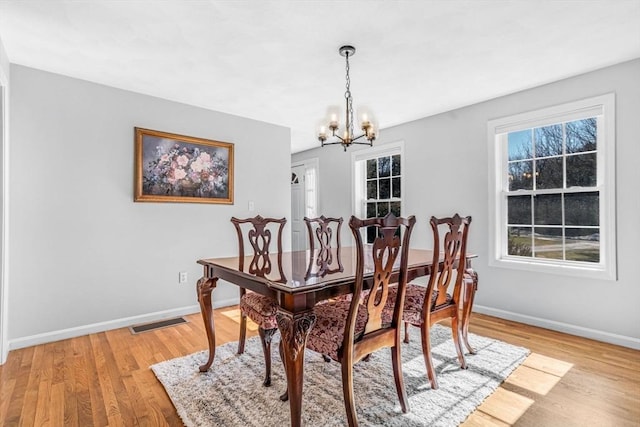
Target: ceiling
[{"x": 278, "y": 61}]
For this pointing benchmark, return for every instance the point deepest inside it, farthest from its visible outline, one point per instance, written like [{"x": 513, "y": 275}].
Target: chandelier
[{"x": 348, "y": 136}]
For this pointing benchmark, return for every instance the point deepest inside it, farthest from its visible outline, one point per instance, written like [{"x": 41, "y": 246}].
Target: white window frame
[
  {"x": 358, "y": 173},
  {"x": 603, "y": 107}
]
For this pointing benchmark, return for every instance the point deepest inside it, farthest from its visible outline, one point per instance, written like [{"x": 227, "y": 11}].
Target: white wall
[
  {"x": 4, "y": 149},
  {"x": 84, "y": 256},
  {"x": 604, "y": 310}
]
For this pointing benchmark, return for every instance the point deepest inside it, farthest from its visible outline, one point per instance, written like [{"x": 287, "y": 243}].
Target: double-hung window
[
  {"x": 378, "y": 183},
  {"x": 552, "y": 189}
]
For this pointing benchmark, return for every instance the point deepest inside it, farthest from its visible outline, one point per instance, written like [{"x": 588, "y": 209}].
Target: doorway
[{"x": 304, "y": 200}]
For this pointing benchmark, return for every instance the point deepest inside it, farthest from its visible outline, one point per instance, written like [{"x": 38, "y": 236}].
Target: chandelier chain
[{"x": 347, "y": 95}]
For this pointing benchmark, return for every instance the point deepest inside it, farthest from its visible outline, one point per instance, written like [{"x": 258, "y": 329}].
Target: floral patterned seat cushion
[
  {"x": 327, "y": 334},
  {"x": 413, "y": 302},
  {"x": 260, "y": 309}
]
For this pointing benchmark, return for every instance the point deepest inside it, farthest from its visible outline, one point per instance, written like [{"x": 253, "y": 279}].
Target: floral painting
[{"x": 177, "y": 168}]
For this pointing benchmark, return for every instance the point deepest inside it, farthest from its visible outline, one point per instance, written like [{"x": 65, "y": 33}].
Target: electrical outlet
[
  {"x": 251, "y": 206},
  {"x": 182, "y": 277}
]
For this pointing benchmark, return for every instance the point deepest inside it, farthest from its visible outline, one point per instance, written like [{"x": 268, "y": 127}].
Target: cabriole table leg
[
  {"x": 470, "y": 288},
  {"x": 294, "y": 329},
  {"x": 204, "y": 288}
]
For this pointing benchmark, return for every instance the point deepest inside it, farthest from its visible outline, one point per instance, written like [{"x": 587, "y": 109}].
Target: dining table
[{"x": 297, "y": 281}]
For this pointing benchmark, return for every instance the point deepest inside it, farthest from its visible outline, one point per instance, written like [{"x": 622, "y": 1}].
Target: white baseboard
[
  {"x": 52, "y": 336},
  {"x": 580, "y": 331},
  {"x": 110, "y": 324}
]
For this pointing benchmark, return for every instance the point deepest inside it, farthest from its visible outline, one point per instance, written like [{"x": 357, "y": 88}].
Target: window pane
[
  {"x": 519, "y": 241},
  {"x": 547, "y": 242},
  {"x": 384, "y": 189},
  {"x": 395, "y": 185},
  {"x": 371, "y": 210},
  {"x": 372, "y": 168},
  {"x": 582, "y": 208},
  {"x": 383, "y": 208},
  {"x": 582, "y": 244},
  {"x": 521, "y": 175},
  {"x": 519, "y": 209},
  {"x": 548, "y": 209},
  {"x": 372, "y": 189},
  {"x": 548, "y": 140},
  {"x": 582, "y": 135},
  {"x": 384, "y": 166},
  {"x": 549, "y": 173},
  {"x": 520, "y": 145},
  {"x": 371, "y": 234},
  {"x": 581, "y": 170},
  {"x": 395, "y": 208},
  {"x": 395, "y": 165}
]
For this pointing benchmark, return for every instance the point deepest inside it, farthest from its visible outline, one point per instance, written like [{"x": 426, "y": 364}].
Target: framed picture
[{"x": 178, "y": 168}]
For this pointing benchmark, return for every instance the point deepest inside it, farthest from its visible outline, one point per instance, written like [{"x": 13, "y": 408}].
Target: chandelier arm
[
  {"x": 353, "y": 141},
  {"x": 335, "y": 142}
]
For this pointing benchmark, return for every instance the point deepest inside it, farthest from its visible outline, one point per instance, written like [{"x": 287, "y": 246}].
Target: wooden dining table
[{"x": 297, "y": 281}]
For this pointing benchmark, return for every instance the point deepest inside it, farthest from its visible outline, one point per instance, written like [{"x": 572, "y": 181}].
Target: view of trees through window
[
  {"x": 552, "y": 196},
  {"x": 383, "y": 189}
]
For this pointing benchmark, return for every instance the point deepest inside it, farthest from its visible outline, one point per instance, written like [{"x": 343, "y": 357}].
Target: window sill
[{"x": 539, "y": 266}]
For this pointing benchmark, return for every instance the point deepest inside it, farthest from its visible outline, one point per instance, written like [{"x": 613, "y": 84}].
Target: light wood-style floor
[{"x": 104, "y": 379}]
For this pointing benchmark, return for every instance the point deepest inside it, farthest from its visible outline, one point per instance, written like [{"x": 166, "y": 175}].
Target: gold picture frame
[{"x": 182, "y": 169}]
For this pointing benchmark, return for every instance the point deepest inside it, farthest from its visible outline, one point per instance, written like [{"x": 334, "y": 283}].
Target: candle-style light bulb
[
  {"x": 371, "y": 133},
  {"x": 333, "y": 124}
]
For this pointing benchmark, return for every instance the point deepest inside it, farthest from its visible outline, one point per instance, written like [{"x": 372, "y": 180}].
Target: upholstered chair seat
[
  {"x": 260, "y": 309},
  {"x": 413, "y": 302},
  {"x": 327, "y": 335}
]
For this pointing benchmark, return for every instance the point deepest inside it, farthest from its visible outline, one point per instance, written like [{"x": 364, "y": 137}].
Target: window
[
  {"x": 553, "y": 189},
  {"x": 378, "y": 183}
]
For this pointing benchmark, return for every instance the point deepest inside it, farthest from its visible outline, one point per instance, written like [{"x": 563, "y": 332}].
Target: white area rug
[{"x": 231, "y": 393}]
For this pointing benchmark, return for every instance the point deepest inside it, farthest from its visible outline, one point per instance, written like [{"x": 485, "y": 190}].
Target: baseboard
[
  {"x": 52, "y": 336},
  {"x": 111, "y": 324},
  {"x": 567, "y": 328}
]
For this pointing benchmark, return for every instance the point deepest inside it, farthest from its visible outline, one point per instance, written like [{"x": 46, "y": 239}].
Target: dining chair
[
  {"x": 326, "y": 233},
  {"x": 442, "y": 297},
  {"x": 348, "y": 331},
  {"x": 258, "y": 231}
]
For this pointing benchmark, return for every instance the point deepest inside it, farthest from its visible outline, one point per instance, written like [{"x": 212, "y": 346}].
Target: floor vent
[{"x": 136, "y": 329}]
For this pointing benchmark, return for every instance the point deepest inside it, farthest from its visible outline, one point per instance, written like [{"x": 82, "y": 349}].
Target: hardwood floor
[{"x": 104, "y": 379}]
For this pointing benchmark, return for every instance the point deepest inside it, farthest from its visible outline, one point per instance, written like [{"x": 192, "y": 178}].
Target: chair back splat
[
  {"x": 259, "y": 235},
  {"x": 387, "y": 251},
  {"x": 326, "y": 259}
]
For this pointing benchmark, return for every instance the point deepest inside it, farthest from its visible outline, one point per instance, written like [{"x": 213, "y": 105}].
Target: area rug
[{"x": 231, "y": 393}]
